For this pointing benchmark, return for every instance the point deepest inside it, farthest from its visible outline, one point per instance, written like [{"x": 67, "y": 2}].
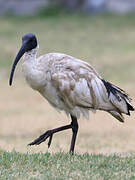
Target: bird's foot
[{"x": 42, "y": 138}]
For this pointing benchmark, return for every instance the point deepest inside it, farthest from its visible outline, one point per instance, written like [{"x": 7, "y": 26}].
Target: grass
[
  {"x": 60, "y": 166},
  {"x": 107, "y": 42}
]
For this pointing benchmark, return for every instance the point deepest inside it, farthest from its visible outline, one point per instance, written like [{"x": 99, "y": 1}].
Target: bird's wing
[{"x": 78, "y": 84}]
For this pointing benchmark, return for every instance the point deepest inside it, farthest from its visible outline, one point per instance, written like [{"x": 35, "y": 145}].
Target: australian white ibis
[{"x": 70, "y": 85}]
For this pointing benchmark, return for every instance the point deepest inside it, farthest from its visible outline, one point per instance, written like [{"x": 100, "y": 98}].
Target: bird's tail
[{"x": 120, "y": 99}]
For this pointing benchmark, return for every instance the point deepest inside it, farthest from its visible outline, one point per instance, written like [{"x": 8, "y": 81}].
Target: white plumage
[{"x": 72, "y": 85}]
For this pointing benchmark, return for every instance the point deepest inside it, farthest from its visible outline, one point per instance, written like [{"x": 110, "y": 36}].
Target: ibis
[{"x": 70, "y": 85}]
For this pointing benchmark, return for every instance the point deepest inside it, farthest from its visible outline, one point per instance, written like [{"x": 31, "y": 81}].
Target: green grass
[{"x": 60, "y": 166}]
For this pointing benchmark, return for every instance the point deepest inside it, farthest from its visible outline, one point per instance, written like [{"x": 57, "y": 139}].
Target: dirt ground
[{"x": 24, "y": 115}]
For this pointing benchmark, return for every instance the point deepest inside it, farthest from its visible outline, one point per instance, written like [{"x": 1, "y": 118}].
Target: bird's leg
[
  {"x": 74, "y": 124},
  {"x": 49, "y": 134}
]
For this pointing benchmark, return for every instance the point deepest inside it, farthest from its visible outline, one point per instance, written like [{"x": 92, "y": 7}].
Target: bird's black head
[{"x": 29, "y": 42}]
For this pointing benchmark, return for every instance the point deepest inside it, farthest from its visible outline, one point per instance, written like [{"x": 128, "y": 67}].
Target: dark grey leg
[
  {"x": 74, "y": 124},
  {"x": 49, "y": 134}
]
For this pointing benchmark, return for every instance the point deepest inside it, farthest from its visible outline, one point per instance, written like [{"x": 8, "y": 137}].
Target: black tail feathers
[
  {"x": 118, "y": 93},
  {"x": 130, "y": 108},
  {"x": 114, "y": 90}
]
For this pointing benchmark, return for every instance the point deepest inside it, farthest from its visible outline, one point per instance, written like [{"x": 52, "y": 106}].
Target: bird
[{"x": 70, "y": 85}]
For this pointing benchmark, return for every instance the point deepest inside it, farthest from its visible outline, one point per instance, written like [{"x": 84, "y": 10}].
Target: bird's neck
[
  {"x": 30, "y": 68},
  {"x": 29, "y": 63},
  {"x": 30, "y": 55}
]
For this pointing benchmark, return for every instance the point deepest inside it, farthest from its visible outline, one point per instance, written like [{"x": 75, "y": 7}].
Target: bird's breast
[{"x": 34, "y": 77}]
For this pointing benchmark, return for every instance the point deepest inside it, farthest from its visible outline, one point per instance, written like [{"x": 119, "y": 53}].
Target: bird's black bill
[{"x": 19, "y": 55}]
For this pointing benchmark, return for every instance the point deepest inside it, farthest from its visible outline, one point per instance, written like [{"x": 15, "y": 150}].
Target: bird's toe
[{"x": 42, "y": 138}]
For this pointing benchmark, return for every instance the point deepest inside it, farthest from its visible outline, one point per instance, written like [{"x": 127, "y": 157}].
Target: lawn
[
  {"x": 60, "y": 166},
  {"x": 107, "y": 42}
]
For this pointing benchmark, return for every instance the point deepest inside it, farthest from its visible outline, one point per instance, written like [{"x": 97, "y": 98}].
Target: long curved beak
[{"x": 18, "y": 57}]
